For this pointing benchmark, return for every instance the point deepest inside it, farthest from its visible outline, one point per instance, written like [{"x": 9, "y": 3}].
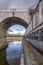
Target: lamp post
[{"x": 13, "y": 14}]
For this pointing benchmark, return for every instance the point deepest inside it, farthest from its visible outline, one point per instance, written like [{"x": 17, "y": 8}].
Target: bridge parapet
[{"x": 21, "y": 13}]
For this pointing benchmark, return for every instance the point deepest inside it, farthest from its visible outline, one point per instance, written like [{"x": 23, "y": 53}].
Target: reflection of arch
[{"x": 12, "y": 21}]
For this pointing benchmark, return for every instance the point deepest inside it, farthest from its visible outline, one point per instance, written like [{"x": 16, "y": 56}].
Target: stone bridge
[
  {"x": 9, "y": 17},
  {"x": 32, "y": 20}
]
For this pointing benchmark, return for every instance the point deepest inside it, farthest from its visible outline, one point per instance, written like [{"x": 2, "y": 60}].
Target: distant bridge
[{"x": 14, "y": 38}]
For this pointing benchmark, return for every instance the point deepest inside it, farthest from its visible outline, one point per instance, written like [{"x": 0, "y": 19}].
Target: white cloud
[
  {"x": 17, "y": 32},
  {"x": 15, "y": 43}
]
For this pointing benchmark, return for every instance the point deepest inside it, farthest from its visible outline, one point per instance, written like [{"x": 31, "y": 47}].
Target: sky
[
  {"x": 15, "y": 45},
  {"x": 16, "y": 29},
  {"x": 17, "y": 3}
]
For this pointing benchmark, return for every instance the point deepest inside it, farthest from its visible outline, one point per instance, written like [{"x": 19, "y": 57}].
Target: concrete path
[{"x": 22, "y": 59}]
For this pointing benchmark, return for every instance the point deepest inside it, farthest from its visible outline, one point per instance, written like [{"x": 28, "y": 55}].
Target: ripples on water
[{"x": 13, "y": 52}]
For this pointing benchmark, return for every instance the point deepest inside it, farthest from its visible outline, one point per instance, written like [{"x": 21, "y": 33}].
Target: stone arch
[{"x": 5, "y": 24}]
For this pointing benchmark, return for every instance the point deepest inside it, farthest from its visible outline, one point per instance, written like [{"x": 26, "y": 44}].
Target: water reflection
[{"x": 13, "y": 52}]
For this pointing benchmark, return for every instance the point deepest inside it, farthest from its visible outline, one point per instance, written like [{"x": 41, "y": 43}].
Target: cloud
[
  {"x": 17, "y": 32},
  {"x": 17, "y": 3}
]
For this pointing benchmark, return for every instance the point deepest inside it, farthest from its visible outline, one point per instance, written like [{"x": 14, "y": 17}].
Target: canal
[{"x": 13, "y": 52}]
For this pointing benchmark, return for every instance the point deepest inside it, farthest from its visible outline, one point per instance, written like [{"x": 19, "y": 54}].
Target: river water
[{"x": 13, "y": 52}]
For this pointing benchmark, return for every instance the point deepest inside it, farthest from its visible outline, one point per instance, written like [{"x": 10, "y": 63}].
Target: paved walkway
[
  {"x": 32, "y": 57},
  {"x": 22, "y": 59}
]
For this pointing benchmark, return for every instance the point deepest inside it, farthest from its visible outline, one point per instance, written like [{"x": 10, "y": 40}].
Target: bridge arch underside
[{"x": 5, "y": 24}]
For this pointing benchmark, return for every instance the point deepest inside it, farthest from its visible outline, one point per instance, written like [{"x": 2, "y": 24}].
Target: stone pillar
[
  {"x": 40, "y": 13},
  {"x": 34, "y": 21},
  {"x": 2, "y": 36},
  {"x": 39, "y": 35},
  {"x": 2, "y": 39}
]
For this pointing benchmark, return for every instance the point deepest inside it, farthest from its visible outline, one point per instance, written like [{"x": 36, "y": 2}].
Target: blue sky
[{"x": 16, "y": 29}]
